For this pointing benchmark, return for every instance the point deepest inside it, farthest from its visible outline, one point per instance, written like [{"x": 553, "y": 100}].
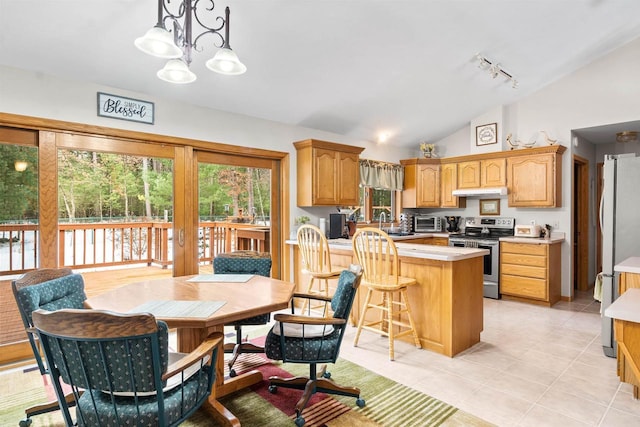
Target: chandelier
[
  {"x": 495, "y": 70},
  {"x": 178, "y": 45}
]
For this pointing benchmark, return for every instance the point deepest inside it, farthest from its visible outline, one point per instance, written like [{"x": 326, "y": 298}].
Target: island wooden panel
[
  {"x": 627, "y": 335},
  {"x": 447, "y": 302}
]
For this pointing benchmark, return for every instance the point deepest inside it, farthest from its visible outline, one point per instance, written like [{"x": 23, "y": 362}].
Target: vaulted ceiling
[{"x": 353, "y": 67}]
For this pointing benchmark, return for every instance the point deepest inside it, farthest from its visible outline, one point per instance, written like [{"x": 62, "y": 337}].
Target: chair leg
[
  {"x": 309, "y": 291},
  {"x": 239, "y": 348},
  {"x": 389, "y": 323},
  {"x": 365, "y": 307},
  {"x": 405, "y": 298}
]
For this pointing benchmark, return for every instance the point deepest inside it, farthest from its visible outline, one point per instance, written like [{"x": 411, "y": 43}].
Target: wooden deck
[{"x": 13, "y": 340}]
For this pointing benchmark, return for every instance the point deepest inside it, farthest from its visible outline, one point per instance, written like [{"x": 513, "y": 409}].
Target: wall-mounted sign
[{"x": 119, "y": 107}]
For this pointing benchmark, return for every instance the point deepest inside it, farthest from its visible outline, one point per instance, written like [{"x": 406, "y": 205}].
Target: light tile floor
[{"x": 534, "y": 366}]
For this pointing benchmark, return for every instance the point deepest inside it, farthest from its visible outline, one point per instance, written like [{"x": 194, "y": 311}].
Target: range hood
[{"x": 489, "y": 191}]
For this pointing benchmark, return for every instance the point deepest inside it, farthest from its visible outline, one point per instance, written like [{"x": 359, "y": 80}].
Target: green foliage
[
  {"x": 108, "y": 185},
  {"x": 18, "y": 190}
]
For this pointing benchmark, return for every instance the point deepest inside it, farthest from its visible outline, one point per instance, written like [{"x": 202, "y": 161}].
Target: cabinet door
[
  {"x": 325, "y": 178},
  {"x": 531, "y": 181},
  {"x": 428, "y": 188},
  {"x": 469, "y": 174},
  {"x": 493, "y": 173},
  {"x": 349, "y": 179},
  {"x": 448, "y": 183}
]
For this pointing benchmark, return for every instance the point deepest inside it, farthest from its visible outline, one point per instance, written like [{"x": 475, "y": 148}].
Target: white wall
[
  {"x": 37, "y": 95},
  {"x": 604, "y": 92}
]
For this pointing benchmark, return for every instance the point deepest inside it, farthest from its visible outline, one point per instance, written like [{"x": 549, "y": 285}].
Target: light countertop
[
  {"x": 629, "y": 265},
  {"x": 556, "y": 237},
  {"x": 434, "y": 252},
  {"x": 626, "y": 307}
]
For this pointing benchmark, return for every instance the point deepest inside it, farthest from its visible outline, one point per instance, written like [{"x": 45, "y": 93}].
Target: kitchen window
[{"x": 379, "y": 184}]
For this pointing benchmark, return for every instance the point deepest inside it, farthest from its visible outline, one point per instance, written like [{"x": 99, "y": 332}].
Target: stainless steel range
[{"x": 484, "y": 233}]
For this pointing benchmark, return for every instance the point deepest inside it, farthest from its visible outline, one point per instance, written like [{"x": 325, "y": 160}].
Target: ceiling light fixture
[
  {"x": 627, "y": 136},
  {"x": 495, "y": 70},
  {"x": 178, "y": 47}
]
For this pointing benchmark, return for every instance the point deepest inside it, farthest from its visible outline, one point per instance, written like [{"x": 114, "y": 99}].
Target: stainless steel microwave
[{"x": 427, "y": 224}]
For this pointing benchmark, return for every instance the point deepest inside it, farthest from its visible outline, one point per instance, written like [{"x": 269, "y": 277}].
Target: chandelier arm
[{"x": 224, "y": 23}]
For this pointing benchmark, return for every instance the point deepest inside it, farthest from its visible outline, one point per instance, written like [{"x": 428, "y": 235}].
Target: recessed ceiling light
[{"x": 383, "y": 137}]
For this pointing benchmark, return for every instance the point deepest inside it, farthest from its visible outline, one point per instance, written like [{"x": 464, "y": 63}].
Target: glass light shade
[
  {"x": 176, "y": 71},
  {"x": 226, "y": 62},
  {"x": 158, "y": 42},
  {"x": 20, "y": 165}
]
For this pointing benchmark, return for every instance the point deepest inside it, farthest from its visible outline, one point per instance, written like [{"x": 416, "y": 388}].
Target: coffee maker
[{"x": 453, "y": 223}]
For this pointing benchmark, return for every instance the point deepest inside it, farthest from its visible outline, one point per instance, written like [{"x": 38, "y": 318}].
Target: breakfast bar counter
[{"x": 446, "y": 303}]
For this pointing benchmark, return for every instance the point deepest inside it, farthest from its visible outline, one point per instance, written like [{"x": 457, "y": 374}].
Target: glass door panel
[
  {"x": 18, "y": 208},
  {"x": 114, "y": 209},
  {"x": 234, "y": 206}
]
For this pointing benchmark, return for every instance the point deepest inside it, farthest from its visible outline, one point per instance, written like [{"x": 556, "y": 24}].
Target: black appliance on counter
[
  {"x": 453, "y": 223},
  {"x": 485, "y": 233},
  {"x": 337, "y": 225}
]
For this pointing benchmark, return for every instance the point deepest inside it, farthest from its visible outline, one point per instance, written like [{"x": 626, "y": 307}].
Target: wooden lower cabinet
[
  {"x": 530, "y": 272},
  {"x": 628, "y": 281},
  {"x": 628, "y": 333},
  {"x": 437, "y": 241}
]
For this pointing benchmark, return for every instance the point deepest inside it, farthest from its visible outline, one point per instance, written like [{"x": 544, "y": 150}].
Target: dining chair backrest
[
  {"x": 317, "y": 342},
  {"x": 114, "y": 364},
  {"x": 378, "y": 255},
  {"x": 314, "y": 249},
  {"x": 50, "y": 289},
  {"x": 54, "y": 294}
]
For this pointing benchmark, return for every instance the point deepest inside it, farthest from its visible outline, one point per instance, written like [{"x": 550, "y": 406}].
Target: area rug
[{"x": 387, "y": 403}]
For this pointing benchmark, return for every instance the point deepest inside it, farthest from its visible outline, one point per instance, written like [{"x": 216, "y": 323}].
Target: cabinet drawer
[
  {"x": 523, "y": 287},
  {"x": 525, "y": 270},
  {"x": 523, "y": 248},
  {"x": 521, "y": 259}
]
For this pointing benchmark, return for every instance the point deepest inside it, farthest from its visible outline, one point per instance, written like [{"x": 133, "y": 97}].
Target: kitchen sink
[{"x": 396, "y": 232}]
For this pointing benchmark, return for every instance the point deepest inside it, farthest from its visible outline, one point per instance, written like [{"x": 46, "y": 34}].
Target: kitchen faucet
[{"x": 382, "y": 215}]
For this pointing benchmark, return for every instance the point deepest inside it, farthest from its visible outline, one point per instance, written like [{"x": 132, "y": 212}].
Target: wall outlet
[
  {"x": 532, "y": 222},
  {"x": 556, "y": 225}
]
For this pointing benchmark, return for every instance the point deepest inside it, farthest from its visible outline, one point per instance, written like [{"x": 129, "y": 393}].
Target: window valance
[{"x": 381, "y": 175}]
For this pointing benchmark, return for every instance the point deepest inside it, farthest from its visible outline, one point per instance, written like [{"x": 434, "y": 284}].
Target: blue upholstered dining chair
[
  {"x": 243, "y": 262},
  {"x": 119, "y": 369},
  {"x": 50, "y": 289},
  {"x": 312, "y": 340}
]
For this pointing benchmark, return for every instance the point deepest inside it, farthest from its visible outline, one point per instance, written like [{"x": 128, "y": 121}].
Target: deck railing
[{"x": 107, "y": 244}]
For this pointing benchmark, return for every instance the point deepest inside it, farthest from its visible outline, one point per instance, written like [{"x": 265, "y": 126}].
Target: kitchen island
[{"x": 447, "y": 301}]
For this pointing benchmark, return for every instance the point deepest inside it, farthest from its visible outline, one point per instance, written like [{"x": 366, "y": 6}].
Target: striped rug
[{"x": 388, "y": 403}]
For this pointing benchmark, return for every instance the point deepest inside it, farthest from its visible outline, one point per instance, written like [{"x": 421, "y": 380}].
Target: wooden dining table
[{"x": 239, "y": 300}]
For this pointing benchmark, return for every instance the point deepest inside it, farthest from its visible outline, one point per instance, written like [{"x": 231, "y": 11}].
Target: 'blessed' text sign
[{"x": 118, "y": 107}]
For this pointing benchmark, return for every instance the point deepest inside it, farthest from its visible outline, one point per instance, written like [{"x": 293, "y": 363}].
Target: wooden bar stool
[
  {"x": 316, "y": 260},
  {"x": 378, "y": 255}
]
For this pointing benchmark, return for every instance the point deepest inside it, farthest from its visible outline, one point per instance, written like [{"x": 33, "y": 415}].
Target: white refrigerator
[{"x": 620, "y": 223}]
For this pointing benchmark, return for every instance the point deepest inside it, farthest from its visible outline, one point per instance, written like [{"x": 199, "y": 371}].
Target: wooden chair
[
  {"x": 119, "y": 368},
  {"x": 243, "y": 262},
  {"x": 316, "y": 260},
  {"x": 312, "y": 340},
  {"x": 52, "y": 289},
  {"x": 378, "y": 255}
]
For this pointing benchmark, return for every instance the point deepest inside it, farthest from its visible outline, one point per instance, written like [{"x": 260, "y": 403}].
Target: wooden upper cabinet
[
  {"x": 328, "y": 174},
  {"x": 535, "y": 180},
  {"x": 421, "y": 183},
  {"x": 469, "y": 174},
  {"x": 493, "y": 172},
  {"x": 428, "y": 192},
  {"x": 482, "y": 173},
  {"x": 448, "y": 183}
]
